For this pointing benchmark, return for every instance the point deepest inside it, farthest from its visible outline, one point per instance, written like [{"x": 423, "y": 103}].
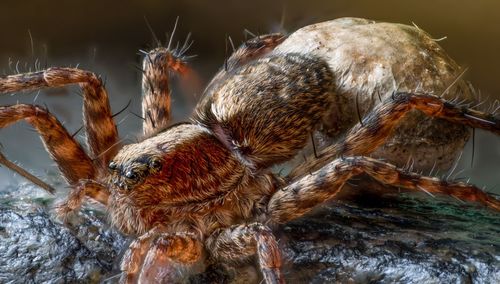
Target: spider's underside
[{"x": 203, "y": 191}]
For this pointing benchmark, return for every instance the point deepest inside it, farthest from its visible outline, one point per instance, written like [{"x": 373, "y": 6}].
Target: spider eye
[
  {"x": 155, "y": 165},
  {"x": 112, "y": 166},
  {"x": 132, "y": 175}
]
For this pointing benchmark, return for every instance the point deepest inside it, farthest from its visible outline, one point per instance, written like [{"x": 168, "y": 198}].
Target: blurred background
[{"x": 105, "y": 36}]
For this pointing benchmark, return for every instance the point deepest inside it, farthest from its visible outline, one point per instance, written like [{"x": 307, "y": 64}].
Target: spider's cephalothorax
[{"x": 203, "y": 191}]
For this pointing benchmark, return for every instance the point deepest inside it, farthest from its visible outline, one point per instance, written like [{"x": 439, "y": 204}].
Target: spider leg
[
  {"x": 158, "y": 64},
  {"x": 72, "y": 161},
  {"x": 102, "y": 135},
  {"x": 240, "y": 242},
  {"x": 252, "y": 49},
  {"x": 304, "y": 194},
  {"x": 377, "y": 126},
  {"x": 132, "y": 260},
  {"x": 166, "y": 255},
  {"x": 88, "y": 188},
  {"x": 157, "y": 67},
  {"x": 22, "y": 172}
]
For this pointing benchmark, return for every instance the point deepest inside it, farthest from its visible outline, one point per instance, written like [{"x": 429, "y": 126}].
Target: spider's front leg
[
  {"x": 304, "y": 194},
  {"x": 71, "y": 159},
  {"x": 158, "y": 257},
  {"x": 157, "y": 66},
  {"x": 240, "y": 242},
  {"x": 102, "y": 135},
  {"x": 69, "y": 156},
  {"x": 160, "y": 63}
]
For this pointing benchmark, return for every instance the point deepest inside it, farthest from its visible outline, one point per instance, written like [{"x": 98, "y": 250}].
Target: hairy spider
[{"x": 203, "y": 191}]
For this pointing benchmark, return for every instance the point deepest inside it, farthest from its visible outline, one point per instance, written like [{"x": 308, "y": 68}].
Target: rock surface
[
  {"x": 36, "y": 248},
  {"x": 366, "y": 238},
  {"x": 396, "y": 240}
]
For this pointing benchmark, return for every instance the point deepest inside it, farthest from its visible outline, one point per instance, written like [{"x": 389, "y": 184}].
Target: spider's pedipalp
[
  {"x": 85, "y": 187},
  {"x": 102, "y": 135},
  {"x": 169, "y": 257},
  {"x": 238, "y": 243},
  {"x": 156, "y": 257},
  {"x": 72, "y": 161},
  {"x": 302, "y": 195},
  {"x": 132, "y": 259}
]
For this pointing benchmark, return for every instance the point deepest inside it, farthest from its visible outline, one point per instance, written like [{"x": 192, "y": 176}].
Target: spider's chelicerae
[{"x": 203, "y": 191}]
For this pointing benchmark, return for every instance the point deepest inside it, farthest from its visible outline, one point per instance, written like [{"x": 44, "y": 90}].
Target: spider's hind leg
[
  {"x": 248, "y": 51},
  {"x": 302, "y": 195},
  {"x": 365, "y": 137},
  {"x": 252, "y": 49}
]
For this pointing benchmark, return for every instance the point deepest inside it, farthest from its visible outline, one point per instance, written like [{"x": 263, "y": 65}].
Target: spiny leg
[
  {"x": 379, "y": 124},
  {"x": 22, "y": 172},
  {"x": 89, "y": 188},
  {"x": 240, "y": 242},
  {"x": 164, "y": 253},
  {"x": 132, "y": 260},
  {"x": 69, "y": 156},
  {"x": 102, "y": 135},
  {"x": 254, "y": 48},
  {"x": 251, "y": 49},
  {"x": 167, "y": 256},
  {"x": 304, "y": 194},
  {"x": 157, "y": 67}
]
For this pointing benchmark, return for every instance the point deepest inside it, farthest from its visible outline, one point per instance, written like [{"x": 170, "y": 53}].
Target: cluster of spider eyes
[{"x": 134, "y": 174}]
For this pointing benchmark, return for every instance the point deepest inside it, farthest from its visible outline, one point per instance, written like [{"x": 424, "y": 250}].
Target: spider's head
[
  {"x": 125, "y": 175},
  {"x": 136, "y": 166},
  {"x": 183, "y": 163}
]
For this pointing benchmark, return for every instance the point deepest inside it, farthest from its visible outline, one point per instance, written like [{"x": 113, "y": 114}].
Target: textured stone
[
  {"x": 36, "y": 248},
  {"x": 395, "y": 240},
  {"x": 368, "y": 237}
]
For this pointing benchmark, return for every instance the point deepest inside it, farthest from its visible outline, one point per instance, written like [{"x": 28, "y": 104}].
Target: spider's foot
[{"x": 65, "y": 212}]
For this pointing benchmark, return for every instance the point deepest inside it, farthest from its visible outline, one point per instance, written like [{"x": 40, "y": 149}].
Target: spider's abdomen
[{"x": 266, "y": 110}]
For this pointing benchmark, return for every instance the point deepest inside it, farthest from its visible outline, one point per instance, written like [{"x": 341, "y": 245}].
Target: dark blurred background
[{"x": 104, "y": 36}]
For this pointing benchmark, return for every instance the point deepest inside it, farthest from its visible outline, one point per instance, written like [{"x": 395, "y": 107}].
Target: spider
[{"x": 203, "y": 191}]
